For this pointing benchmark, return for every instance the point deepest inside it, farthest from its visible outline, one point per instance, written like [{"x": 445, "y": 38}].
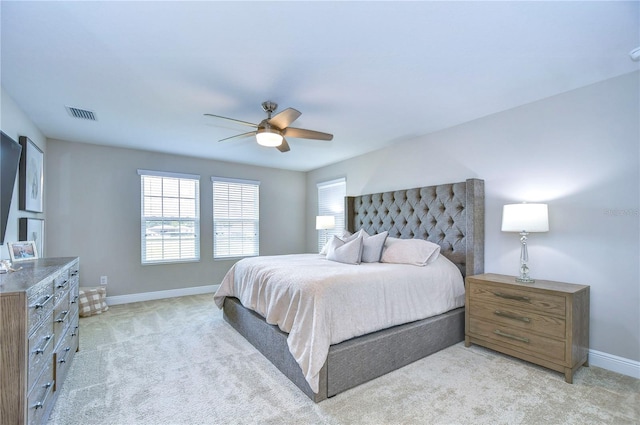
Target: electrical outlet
[{"x": 103, "y": 280}]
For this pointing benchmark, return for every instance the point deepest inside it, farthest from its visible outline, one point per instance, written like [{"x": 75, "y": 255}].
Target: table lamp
[{"x": 525, "y": 218}]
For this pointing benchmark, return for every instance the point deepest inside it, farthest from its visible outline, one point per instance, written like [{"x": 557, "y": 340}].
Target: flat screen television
[{"x": 9, "y": 161}]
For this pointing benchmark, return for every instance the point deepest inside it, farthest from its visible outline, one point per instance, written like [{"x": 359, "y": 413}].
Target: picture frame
[
  {"x": 32, "y": 229},
  {"x": 22, "y": 251},
  {"x": 31, "y": 176}
]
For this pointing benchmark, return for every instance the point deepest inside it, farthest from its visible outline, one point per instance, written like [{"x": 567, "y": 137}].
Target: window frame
[
  {"x": 334, "y": 207},
  {"x": 195, "y": 219},
  {"x": 254, "y": 243}
]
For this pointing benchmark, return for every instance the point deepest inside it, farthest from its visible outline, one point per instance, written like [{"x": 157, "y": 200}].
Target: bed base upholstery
[
  {"x": 353, "y": 362},
  {"x": 451, "y": 215}
]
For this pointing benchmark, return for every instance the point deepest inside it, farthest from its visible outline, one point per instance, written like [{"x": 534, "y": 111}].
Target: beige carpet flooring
[{"x": 176, "y": 361}]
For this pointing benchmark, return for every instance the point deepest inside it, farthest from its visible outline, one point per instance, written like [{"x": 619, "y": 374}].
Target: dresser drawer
[
  {"x": 513, "y": 297},
  {"x": 40, "y": 304},
  {"x": 40, "y": 396},
  {"x": 523, "y": 319},
  {"x": 516, "y": 338},
  {"x": 41, "y": 345},
  {"x": 61, "y": 286},
  {"x": 61, "y": 319},
  {"x": 65, "y": 352}
]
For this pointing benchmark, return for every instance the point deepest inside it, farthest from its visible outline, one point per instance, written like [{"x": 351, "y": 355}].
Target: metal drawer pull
[
  {"x": 40, "y": 404},
  {"x": 44, "y": 346},
  {"x": 74, "y": 300},
  {"x": 511, "y": 297},
  {"x": 42, "y": 303},
  {"x": 62, "y": 317},
  {"x": 64, "y": 360},
  {"x": 63, "y": 284},
  {"x": 511, "y": 316},
  {"x": 519, "y": 338}
]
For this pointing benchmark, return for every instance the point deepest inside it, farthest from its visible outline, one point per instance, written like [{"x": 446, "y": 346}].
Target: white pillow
[
  {"x": 345, "y": 252},
  {"x": 345, "y": 236},
  {"x": 409, "y": 251},
  {"x": 372, "y": 247}
]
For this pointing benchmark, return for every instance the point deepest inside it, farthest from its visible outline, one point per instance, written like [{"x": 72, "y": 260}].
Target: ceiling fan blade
[
  {"x": 284, "y": 118},
  {"x": 284, "y": 146},
  {"x": 234, "y": 120},
  {"x": 239, "y": 136},
  {"x": 301, "y": 133}
]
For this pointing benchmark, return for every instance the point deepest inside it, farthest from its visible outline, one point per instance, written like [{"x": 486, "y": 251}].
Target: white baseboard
[
  {"x": 596, "y": 358},
  {"x": 614, "y": 363},
  {"x": 158, "y": 295}
]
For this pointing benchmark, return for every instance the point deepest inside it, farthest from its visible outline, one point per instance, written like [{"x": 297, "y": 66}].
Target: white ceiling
[{"x": 371, "y": 73}]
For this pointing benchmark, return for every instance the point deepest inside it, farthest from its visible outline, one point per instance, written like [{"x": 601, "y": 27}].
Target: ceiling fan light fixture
[{"x": 269, "y": 137}]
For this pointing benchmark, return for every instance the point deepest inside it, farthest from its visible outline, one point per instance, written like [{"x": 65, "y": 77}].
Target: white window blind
[
  {"x": 236, "y": 217},
  {"x": 170, "y": 217},
  {"x": 331, "y": 202}
]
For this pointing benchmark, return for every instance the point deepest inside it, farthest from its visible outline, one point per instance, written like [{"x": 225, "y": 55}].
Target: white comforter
[{"x": 321, "y": 302}]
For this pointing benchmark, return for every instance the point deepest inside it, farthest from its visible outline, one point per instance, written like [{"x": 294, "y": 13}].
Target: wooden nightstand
[{"x": 545, "y": 322}]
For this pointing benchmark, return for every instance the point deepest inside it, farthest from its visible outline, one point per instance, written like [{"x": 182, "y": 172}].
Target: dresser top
[
  {"x": 539, "y": 284},
  {"x": 32, "y": 272}
]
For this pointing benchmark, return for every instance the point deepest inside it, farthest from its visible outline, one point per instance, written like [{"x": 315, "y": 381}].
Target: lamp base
[{"x": 525, "y": 280}]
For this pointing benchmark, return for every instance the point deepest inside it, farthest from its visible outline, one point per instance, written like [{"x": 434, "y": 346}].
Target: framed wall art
[
  {"x": 31, "y": 176},
  {"x": 32, "y": 229},
  {"x": 22, "y": 251}
]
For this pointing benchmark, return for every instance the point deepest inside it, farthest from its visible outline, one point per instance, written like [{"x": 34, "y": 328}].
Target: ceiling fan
[{"x": 271, "y": 131}]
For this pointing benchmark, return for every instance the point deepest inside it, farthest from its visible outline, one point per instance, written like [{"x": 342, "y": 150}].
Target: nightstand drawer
[
  {"x": 526, "y": 320},
  {"x": 544, "y": 303},
  {"x": 546, "y": 347}
]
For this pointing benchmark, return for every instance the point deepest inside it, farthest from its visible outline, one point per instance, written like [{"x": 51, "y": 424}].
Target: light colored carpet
[{"x": 176, "y": 361}]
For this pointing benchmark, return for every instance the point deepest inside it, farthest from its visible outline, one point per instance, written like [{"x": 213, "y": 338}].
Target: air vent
[{"x": 81, "y": 113}]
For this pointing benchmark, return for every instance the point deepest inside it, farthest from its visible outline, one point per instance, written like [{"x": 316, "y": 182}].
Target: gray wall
[
  {"x": 15, "y": 124},
  {"x": 578, "y": 152},
  {"x": 93, "y": 211}
]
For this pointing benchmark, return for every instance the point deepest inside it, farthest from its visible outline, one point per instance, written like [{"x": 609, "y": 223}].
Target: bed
[{"x": 449, "y": 215}]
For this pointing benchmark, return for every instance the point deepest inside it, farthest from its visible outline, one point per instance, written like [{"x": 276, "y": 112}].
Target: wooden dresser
[
  {"x": 38, "y": 336},
  {"x": 545, "y": 322}
]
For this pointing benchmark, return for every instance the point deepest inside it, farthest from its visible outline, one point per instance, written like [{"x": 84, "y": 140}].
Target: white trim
[
  {"x": 168, "y": 174},
  {"x": 233, "y": 180},
  {"x": 614, "y": 363},
  {"x": 158, "y": 295}
]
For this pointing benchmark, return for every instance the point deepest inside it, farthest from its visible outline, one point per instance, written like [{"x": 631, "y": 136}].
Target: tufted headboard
[{"x": 451, "y": 215}]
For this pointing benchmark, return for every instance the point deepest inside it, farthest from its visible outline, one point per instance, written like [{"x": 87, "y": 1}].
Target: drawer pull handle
[
  {"x": 62, "y": 285},
  {"x": 506, "y": 335},
  {"x": 511, "y": 297},
  {"x": 43, "y": 347},
  {"x": 42, "y": 303},
  {"x": 74, "y": 300},
  {"x": 511, "y": 316},
  {"x": 40, "y": 404},
  {"x": 62, "y": 317}
]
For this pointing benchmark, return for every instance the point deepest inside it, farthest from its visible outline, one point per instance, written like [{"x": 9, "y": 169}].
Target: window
[
  {"x": 170, "y": 217},
  {"x": 236, "y": 218},
  {"x": 331, "y": 202}
]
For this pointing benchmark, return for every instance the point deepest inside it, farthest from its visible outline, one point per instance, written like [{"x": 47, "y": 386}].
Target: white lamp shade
[
  {"x": 525, "y": 218},
  {"x": 324, "y": 222},
  {"x": 269, "y": 138}
]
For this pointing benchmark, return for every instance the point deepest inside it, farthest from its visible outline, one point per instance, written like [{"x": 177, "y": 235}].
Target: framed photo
[
  {"x": 32, "y": 229},
  {"x": 22, "y": 251},
  {"x": 31, "y": 176}
]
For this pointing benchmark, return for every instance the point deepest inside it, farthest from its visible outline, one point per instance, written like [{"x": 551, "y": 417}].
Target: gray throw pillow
[{"x": 372, "y": 247}]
